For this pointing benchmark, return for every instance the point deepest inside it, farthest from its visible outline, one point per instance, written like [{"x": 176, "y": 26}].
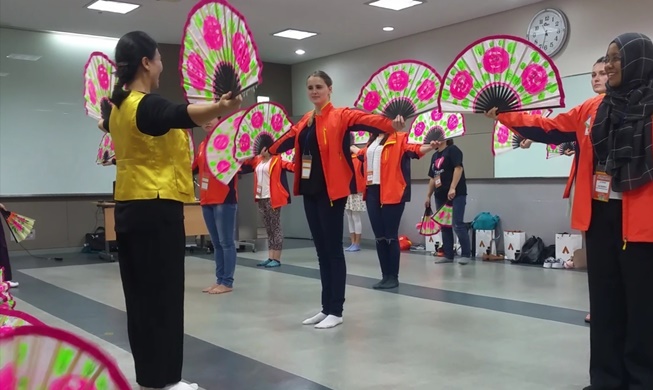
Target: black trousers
[
  {"x": 4, "y": 254},
  {"x": 151, "y": 258},
  {"x": 621, "y": 293},
  {"x": 325, "y": 220},
  {"x": 385, "y": 220}
]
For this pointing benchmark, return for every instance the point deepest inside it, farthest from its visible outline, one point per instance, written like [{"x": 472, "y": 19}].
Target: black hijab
[{"x": 622, "y": 129}]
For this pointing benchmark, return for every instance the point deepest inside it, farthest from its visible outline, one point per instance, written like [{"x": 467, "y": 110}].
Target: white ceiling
[{"x": 164, "y": 20}]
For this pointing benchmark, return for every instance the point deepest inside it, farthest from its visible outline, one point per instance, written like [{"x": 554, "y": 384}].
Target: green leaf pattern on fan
[
  {"x": 99, "y": 80},
  {"x": 511, "y": 63},
  {"x": 451, "y": 124},
  {"x": 288, "y": 155},
  {"x": 215, "y": 35},
  {"x": 263, "y": 118},
  {"x": 407, "y": 79},
  {"x": 444, "y": 216},
  {"x": 503, "y": 139},
  {"x": 219, "y": 149}
]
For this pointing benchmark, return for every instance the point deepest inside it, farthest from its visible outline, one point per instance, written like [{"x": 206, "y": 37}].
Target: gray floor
[{"x": 480, "y": 326}]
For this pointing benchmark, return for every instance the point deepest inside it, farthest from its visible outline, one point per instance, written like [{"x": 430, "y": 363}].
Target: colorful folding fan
[
  {"x": 444, "y": 215},
  {"x": 43, "y": 357},
  {"x": 501, "y": 71},
  {"x": 288, "y": 155},
  {"x": 504, "y": 140},
  {"x": 262, "y": 125},
  {"x": 360, "y": 137},
  {"x": 19, "y": 226},
  {"x": 436, "y": 126},
  {"x": 99, "y": 80},
  {"x": 219, "y": 148},
  {"x": 6, "y": 299},
  {"x": 14, "y": 318},
  {"x": 559, "y": 150},
  {"x": 428, "y": 227},
  {"x": 105, "y": 151},
  {"x": 218, "y": 53},
  {"x": 405, "y": 88}
]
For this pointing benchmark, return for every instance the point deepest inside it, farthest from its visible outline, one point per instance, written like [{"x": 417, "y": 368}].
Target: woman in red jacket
[
  {"x": 324, "y": 177},
  {"x": 612, "y": 204},
  {"x": 271, "y": 194},
  {"x": 386, "y": 161}
]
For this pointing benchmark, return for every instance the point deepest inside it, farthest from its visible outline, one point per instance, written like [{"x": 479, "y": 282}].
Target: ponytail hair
[{"x": 130, "y": 51}]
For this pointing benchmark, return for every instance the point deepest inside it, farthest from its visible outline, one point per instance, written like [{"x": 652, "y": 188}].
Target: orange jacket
[
  {"x": 395, "y": 167},
  {"x": 279, "y": 193},
  {"x": 332, "y": 125},
  {"x": 637, "y": 210},
  {"x": 359, "y": 173},
  {"x": 216, "y": 192}
]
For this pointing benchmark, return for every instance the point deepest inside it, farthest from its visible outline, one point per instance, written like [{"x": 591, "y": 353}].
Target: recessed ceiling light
[
  {"x": 23, "y": 57},
  {"x": 294, "y": 34},
  {"x": 117, "y": 7},
  {"x": 262, "y": 99},
  {"x": 388, "y": 28},
  {"x": 395, "y": 5},
  {"x": 300, "y": 52}
]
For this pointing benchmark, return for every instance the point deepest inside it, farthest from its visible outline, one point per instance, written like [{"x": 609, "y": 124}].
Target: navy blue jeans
[
  {"x": 221, "y": 223},
  {"x": 458, "y": 204},
  {"x": 385, "y": 221}
]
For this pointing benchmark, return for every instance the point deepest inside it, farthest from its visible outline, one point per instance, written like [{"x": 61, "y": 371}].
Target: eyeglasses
[{"x": 611, "y": 60}]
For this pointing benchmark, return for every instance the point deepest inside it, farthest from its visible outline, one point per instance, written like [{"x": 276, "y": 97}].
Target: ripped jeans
[{"x": 385, "y": 221}]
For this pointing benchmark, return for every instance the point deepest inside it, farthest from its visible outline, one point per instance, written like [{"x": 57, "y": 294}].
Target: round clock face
[{"x": 548, "y": 31}]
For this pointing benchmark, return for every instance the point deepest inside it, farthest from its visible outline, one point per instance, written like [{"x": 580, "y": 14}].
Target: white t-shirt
[
  {"x": 374, "y": 152},
  {"x": 263, "y": 180}
]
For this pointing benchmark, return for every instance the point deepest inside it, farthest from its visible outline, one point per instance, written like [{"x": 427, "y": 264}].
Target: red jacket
[
  {"x": 279, "y": 194},
  {"x": 359, "y": 174},
  {"x": 332, "y": 125},
  {"x": 216, "y": 192},
  {"x": 637, "y": 210},
  {"x": 395, "y": 167}
]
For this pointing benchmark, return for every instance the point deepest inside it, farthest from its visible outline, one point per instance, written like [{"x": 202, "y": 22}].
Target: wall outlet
[{"x": 31, "y": 236}]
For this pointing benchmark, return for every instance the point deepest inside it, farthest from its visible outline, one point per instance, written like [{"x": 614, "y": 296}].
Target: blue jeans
[
  {"x": 385, "y": 220},
  {"x": 220, "y": 220},
  {"x": 458, "y": 204}
]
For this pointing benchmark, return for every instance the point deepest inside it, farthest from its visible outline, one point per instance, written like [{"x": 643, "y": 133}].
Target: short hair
[{"x": 601, "y": 60}]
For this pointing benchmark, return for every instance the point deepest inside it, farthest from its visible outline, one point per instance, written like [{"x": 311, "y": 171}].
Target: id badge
[
  {"x": 307, "y": 162},
  {"x": 438, "y": 181},
  {"x": 602, "y": 186},
  {"x": 370, "y": 177},
  {"x": 204, "y": 185}
]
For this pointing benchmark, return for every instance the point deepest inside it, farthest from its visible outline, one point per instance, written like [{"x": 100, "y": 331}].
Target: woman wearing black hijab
[{"x": 613, "y": 204}]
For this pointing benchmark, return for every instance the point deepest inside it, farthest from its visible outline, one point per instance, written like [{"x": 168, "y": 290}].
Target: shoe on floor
[
  {"x": 316, "y": 319},
  {"x": 548, "y": 263},
  {"x": 182, "y": 386},
  {"x": 273, "y": 264},
  {"x": 329, "y": 322},
  {"x": 12, "y": 284},
  {"x": 463, "y": 260},
  {"x": 387, "y": 283},
  {"x": 443, "y": 260},
  {"x": 353, "y": 248},
  {"x": 264, "y": 263},
  {"x": 557, "y": 264}
]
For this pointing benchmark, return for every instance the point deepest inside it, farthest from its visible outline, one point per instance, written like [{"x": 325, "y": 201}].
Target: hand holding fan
[
  {"x": 405, "y": 88},
  {"x": 444, "y": 216},
  {"x": 504, "y": 140},
  {"x": 99, "y": 80},
  {"x": 501, "y": 71},
  {"x": 220, "y": 146},
  {"x": 105, "y": 151},
  {"x": 19, "y": 226},
  {"x": 262, "y": 125},
  {"x": 428, "y": 227},
  {"x": 218, "y": 53},
  {"x": 559, "y": 150},
  {"x": 436, "y": 126},
  {"x": 288, "y": 155},
  {"x": 42, "y": 357}
]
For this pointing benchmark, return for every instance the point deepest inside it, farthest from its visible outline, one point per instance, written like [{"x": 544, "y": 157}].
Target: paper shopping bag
[
  {"x": 433, "y": 242},
  {"x": 484, "y": 241},
  {"x": 512, "y": 242},
  {"x": 567, "y": 244}
]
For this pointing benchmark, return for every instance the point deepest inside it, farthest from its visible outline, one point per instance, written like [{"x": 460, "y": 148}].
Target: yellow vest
[{"x": 148, "y": 167}]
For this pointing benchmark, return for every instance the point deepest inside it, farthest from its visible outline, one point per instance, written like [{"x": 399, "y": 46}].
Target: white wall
[{"x": 529, "y": 204}]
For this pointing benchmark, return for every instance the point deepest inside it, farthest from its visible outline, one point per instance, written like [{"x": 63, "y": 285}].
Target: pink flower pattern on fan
[
  {"x": 212, "y": 33},
  {"x": 419, "y": 129},
  {"x": 534, "y": 78},
  {"x": 92, "y": 93},
  {"x": 426, "y": 90},
  {"x": 103, "y": 77},
  {"x": 245, "y": 142},
  {"x": 71, "y": 382},
  {"x": 196, "y": 70},
  {"x": 436, "y": 115},
  {"x": 452, "y": 122},
  {"x": 8, "y": 377},
  {"x": 461, "y": 85},
  {"x": 496, "y": 60},
  {"x": 398, "y": 81},
  {"x": 223, "y": 166},
  {"x": 276, "y": 122},
  {"x": 221, "y": 142},
  {"x": 241, "y": 52},
  {"x": 361, "y": 133},
  {"x": 372, "y": 101},
  {"x": 257, "y": 120},
  {"x": 503, "y": 134},
  {"x": 289, "y": 152}
]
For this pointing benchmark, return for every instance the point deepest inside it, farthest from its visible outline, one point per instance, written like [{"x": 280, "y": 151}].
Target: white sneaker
[
  {"x": 316, "y": 319},
  {"x": 557, "y": 264},
  {"x": 13, "y": 284},
  {"x": 330, "y": 322},
  {"x": 548, "y": 263},
  {"x": 182, "y": 386}
]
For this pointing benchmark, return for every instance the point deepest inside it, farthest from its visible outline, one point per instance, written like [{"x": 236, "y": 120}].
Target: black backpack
[{"x": 533, "y": 252}]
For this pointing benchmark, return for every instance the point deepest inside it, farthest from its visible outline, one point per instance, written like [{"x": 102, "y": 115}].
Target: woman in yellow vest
[{"x": 153, "y": 181}]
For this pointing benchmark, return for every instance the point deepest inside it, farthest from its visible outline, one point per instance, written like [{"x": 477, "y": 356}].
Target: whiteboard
[
  {"x": 48, "y": 145},
  {"x": 532, "y": 162}
]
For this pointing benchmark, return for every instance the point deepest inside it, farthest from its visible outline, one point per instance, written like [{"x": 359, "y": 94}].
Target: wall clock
[{"x": 549, "y": 30}]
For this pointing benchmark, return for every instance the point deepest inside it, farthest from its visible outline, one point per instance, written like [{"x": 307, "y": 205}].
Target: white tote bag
[
  {"x": 567, "y": 244},
  {"x": 512, "y": 242}
]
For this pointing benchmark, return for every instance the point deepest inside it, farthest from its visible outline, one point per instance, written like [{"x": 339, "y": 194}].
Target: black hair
[
  {"x": 601, "y": 60},
  {"x": 130, "y": 51},
  {"x": 449, "y": 141}
]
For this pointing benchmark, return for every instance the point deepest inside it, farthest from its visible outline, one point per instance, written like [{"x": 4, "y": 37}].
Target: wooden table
[{"x": 193, "y": 224}]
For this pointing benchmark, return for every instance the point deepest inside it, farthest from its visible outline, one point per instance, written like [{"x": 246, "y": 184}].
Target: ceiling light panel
[
  {"x": 294, "y": 34},
  {"x": 395, "y": 5},
  {"x": 117, "y": 7}
]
